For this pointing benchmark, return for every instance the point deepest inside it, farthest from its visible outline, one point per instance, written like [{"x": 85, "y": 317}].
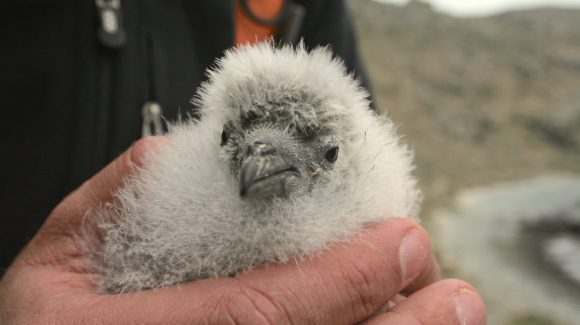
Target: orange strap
[{"x": 248, "y": 31}]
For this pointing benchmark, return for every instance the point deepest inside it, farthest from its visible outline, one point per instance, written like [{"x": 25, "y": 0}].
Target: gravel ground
[
  {"x": 490, "y": 106},
  {"x": 489, "y": 238}
]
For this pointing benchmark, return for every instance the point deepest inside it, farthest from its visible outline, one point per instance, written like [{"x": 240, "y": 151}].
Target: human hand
[{"x": 51, "y": 280}]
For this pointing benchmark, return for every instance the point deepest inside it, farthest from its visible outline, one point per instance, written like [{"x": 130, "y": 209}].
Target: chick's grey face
[{"x": 275, "y": 154}]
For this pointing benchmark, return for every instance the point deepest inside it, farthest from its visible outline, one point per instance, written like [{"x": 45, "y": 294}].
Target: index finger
[
  {"x": 343, "y": 285},
  {"x": 349, "y": 283}
]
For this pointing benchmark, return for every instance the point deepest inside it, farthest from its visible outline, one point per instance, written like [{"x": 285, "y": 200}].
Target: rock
[
  {"x": 479, "y": 99},
  {"x": 518, "y": 243}
]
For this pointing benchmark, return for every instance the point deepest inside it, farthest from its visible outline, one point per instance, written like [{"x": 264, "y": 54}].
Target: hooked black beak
[{"x": 263, "y": 171}]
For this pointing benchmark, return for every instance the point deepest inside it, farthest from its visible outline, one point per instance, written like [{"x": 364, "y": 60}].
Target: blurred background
[{"x": 487, "y": 93}]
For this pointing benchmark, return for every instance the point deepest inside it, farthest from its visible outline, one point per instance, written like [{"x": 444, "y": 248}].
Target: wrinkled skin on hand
[{"x": 51, "y": 281}]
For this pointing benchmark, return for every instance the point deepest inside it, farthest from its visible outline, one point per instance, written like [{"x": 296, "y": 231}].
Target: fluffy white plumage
[{"x": 182, "y": 217}]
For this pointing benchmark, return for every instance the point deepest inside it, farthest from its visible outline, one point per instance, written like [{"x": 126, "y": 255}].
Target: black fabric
[{"x": 71, "y": 105}]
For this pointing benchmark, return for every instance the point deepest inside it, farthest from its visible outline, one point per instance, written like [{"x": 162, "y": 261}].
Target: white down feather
[{"x": 181, "y": 218}]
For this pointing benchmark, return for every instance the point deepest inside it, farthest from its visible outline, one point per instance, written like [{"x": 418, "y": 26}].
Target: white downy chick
[{"x": 286, "y": 159}]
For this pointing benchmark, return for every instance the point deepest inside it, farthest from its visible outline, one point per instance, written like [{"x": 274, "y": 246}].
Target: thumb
[
  {"x": 66, "y": 219},
  {"x": 100, "y": 188}
]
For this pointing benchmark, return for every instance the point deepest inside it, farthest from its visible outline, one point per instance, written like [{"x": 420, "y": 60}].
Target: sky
[{"x": 487, "y": 7}]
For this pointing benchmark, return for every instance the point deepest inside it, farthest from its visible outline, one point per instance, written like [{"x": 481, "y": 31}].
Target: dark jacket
[{"x": 71, "y": 105}]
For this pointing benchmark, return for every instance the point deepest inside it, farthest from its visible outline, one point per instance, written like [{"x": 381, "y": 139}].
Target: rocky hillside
[{"x": 479, "y": 99}]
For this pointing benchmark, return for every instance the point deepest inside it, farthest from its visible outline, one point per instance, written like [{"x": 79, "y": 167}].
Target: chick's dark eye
[
  {"x": 332, "y": 154},
  {"x": 225, "y": 137},
  {"x": 252, "y": 116}
]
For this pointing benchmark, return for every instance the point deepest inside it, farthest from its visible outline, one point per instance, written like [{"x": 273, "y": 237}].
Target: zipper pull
[
  {"x": 111, "y": 32},
  {"x": 151, "y": 119}
]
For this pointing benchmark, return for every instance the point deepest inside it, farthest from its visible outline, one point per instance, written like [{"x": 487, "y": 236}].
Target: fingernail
[
  {"x": 469, "y": 309},
  {"x": 412, "y": 253}
]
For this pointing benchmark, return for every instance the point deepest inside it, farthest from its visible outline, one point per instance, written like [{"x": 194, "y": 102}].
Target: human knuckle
[
  {"x": 396, "y": 317},
  {"x": 363, "y": 284},
  {"x": 249, "y": 305}
]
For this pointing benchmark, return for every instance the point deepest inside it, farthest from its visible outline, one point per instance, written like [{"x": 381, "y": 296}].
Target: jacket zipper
[
  {"x": 152, "y": 110},
  {"x": 112, "y": 36}
]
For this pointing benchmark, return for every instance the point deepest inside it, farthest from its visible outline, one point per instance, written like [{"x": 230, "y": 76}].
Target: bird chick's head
[
  {"x": 278, "y": 148},
  {"x": 281, "y": 116},
  {"x": 286, "y": 158}
]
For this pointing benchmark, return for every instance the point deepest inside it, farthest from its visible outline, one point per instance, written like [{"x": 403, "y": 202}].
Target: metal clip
[
  {"x": 111, "y": 32},
  {"x": 152, "y": 124}
]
